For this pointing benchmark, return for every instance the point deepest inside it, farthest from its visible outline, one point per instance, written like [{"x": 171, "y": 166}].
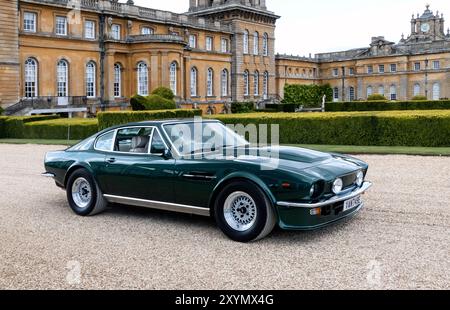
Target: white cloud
[{"x": 329, "y": 25}]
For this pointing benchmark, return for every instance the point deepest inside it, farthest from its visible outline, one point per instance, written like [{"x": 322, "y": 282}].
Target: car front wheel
[
  {"x": 84, "y": 196},
  {"x": 243, "y": 212}
]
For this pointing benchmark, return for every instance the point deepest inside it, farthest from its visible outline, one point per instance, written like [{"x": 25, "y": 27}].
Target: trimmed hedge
[
  {"x": 164, "y": 92},
  {"x": 109, "y": 119},
  {"x": 153, "y": 102},
  {"x": 13, "y": 127},
  {"x": 242, "y": 107},
  {"x": 376, "y": 97},
  {"x": 355, "y": 106},
  {"x": 399, "y": 128},
  {"x": 71, "y": 129}
]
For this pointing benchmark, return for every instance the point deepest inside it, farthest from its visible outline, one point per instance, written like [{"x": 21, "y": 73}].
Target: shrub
[
  {"x": 306, "y": 95},
  {"x": 164, "y": 92},
  {"x": 1, "y": 110},
  {"x": 386, "y": 105},
  {"x": 419, "y": 98},
  {"x": 14, "y": 126},
  {"x": 156, "y": 102},
  {"x": 71, "y": 129},
  {"x": 109, "y": 119},
  {"x": 393, "y": 128},
  {"x": 242, "y": 107},
  {"x": 287, "y": 108},
  {"x": 376, "y": 97},
  {"x": 137, "y": 103},
  {"x": 3, "y": 126}
]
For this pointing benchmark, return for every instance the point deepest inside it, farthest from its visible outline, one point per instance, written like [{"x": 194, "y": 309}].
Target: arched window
[
  {"x": 245, "y": 42},
  {"x": 381, "y": 90},
  {"x": 416, "y": 91},
  {"x": 266, "y": 85},
  {"x": 335, "y": 94},
  {"x": 256, "y": 43},
  {"x": 224, "y": 83},
  {"x": 256, "y": 83},
  {"x": 90, "y": 80},
  {"x": 369, "y": 91},
  {"x": 351, "y": 94},
  {"x": 266, "y": 44},
  {"x": 436, "y": 91},
  {"x": 210, "y": 83},
  {"x": 173, "y": 77},
  {"x": 142, "y": 70},
  {"x": 393, "y": 91},
  {"x": 117, "y": 80},
  {"x": 62, "y": 77},
  {"x": 246, "y": 83},
  {"x": 31, "y": 78},
  {"x": 194, "y": 76}
]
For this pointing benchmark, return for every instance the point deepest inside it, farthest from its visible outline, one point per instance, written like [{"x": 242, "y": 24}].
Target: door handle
[{"x": 111, "y": 160}]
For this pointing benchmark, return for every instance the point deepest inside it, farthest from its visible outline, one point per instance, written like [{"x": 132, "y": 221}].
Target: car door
[
  {"x": 139, "y": 174},
  {"x": 195, "y": 180}
]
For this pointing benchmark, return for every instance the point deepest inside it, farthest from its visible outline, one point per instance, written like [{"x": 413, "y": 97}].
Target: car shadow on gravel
[{"x": 278, "y": 235}]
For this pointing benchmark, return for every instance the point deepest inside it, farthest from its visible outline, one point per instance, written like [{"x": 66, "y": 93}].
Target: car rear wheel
[
  {"x": 244, "y": 213},
  {"x": 84, "y": 196}
]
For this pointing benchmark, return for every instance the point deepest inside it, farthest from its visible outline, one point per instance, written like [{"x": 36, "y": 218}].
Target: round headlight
[
  {"x": 360, "y": 179},
  {"x": 337, "y": 186}
]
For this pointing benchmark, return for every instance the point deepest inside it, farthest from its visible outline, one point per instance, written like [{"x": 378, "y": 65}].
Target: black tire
[
  {"x": 95, "y": 204},
  {"x": 264, "y": 220}
]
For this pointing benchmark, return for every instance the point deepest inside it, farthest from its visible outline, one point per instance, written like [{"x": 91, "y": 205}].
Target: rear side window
[
  {"x": 105, "y": 142},
  {"x": 133, "y": 140}
]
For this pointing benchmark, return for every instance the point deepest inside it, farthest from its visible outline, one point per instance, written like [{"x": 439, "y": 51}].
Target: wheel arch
[
  {"x": 75, "y": 167},
  {"x": 246, "y": 177}
]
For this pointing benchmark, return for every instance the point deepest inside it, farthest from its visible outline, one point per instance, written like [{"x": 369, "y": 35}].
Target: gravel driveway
[{"x": 401, "y": 240}]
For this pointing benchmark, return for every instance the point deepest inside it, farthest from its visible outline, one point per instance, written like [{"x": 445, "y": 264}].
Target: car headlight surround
[
  {"x": 312, "y": 191},
  {"x": 359, "y": 178},
  {"x": 338, "y": 185}
]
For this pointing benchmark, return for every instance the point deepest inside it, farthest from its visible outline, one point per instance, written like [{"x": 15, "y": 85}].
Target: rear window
[
  {"x": 84, "y": 145},
  {"x": 105, "y": 142}
]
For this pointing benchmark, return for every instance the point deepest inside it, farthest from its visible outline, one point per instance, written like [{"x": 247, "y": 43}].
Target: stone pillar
[
  {"x": 403, "y": 95},
  {"x": 109, "y": 76},
  {"x": 360, "y": 94},
  {"x": 154, "y": 74},
  {"x": 9, "y": 54},
  {"x": 164, "y": 68}
]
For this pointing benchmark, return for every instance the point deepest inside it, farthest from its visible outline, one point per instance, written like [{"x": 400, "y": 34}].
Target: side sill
[{"x": 159, "y": 205}]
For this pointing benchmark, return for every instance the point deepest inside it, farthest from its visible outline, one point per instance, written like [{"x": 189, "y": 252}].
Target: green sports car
[{"x": 215, "y": 172}]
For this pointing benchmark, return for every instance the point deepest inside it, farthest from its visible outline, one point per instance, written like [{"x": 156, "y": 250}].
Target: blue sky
[{"x": 330, "y": 25}]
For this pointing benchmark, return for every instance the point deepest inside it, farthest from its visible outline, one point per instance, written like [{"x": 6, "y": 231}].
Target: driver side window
[{"x": 133, "y": 140}]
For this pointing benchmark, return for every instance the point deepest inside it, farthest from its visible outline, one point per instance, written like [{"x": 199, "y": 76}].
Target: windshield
[{"x": 202, "y": 137}]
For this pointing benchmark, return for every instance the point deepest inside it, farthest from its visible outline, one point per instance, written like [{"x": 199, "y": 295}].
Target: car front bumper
[{"x": 311, "y": 216}]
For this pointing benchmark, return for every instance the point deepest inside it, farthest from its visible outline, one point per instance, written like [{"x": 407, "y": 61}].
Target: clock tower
[{"x": 427, "y": 27}]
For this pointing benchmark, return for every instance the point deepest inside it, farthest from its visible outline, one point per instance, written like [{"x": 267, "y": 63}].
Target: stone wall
[{"x": 9, "y": 53}]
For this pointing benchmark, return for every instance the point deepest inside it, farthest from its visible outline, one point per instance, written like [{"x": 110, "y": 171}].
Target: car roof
[{"x": 157, "y": 123}]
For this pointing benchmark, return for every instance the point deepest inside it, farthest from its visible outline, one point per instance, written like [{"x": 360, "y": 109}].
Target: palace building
[{"x": 77, "y": 55}]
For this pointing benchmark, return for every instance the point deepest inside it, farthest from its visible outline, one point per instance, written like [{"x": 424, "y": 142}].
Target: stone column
[
  {"x": 164, "y": 68},
  {"x": 154, "y": 74},
  {"x": 9, "y": 54},
  {"x": 109, "y": 76}
]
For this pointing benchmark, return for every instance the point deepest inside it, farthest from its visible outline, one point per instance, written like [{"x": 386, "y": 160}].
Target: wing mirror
[{"x": 167, "y": 154}]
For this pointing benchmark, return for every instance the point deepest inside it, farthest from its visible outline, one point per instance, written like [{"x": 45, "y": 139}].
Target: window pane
[
  {"x": 29, "y": 22},
  {"x": 61, "y": 25},
  {"x": 105, "y": 142},
  {"x": 89, "y": 30}
]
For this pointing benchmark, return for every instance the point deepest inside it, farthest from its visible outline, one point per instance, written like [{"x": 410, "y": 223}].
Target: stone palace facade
[{"x": 61, "y": 54}]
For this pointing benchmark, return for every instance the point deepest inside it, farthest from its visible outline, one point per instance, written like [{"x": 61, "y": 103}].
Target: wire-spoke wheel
[
  {"x": 240, "y": 211},
  {"x": 243, "y": 212}
]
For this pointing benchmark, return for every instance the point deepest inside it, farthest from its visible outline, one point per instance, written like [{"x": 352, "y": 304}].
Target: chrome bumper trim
[
  {"x": 48, "y": 175},
  {"x": 331, "y": 201}
]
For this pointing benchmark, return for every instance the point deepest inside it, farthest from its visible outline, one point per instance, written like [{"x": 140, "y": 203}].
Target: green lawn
[
  {"x": 38, "y": 141},
  {"x": 346, "y": 149},
  {"x": 382, "y": 150}
]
